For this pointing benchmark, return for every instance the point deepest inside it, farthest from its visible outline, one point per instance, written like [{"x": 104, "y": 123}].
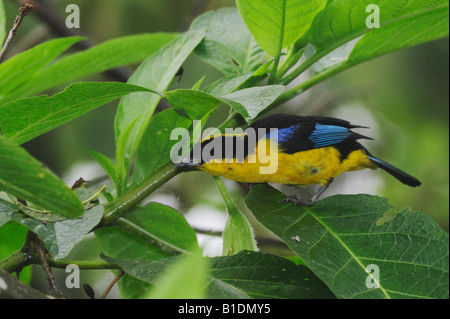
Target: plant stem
[
  {"x": 302, "y": 68},
  {"x": 15, "y": 261},
  {"x": 136, "y": 195},
  {"x": 223, "y": 191},
  {"x": 286, "y": 96},
  {"x": 84, "y": 264},
  {"x": 273, "y": 73},
  {"x": 119, "y": 275}
]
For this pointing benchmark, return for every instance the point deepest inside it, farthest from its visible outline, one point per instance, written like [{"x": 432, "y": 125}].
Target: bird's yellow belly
[{"x": 315, "y": 166}]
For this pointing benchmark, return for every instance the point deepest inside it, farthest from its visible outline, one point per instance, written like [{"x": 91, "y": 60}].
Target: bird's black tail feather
[{"x": 397, "y": 173}]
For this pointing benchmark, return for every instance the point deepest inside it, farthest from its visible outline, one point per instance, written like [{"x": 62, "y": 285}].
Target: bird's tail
[{"x": 397, "y": 173}]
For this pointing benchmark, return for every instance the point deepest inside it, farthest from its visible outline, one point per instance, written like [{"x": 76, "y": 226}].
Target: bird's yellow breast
[{"x": 316, "y": 166}]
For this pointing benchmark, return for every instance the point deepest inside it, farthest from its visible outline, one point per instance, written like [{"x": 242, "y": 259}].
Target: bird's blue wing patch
[
  {"x": 283, "y": 134},
  {"x": 325, "y": 135}
]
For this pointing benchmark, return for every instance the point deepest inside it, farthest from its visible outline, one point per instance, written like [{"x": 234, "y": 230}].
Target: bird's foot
[{"x": 297, "y": 201}]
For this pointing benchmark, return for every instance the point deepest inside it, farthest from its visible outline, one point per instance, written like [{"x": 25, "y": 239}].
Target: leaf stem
[
  {"x": 223, "y": 191},
  {"x": 111, "y": 285},
  {"x": 302, "y": 87},
  {"x": 302, "y": 68}
]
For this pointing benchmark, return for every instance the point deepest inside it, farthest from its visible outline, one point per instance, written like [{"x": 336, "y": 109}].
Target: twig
[
  {"x": 23, "y": 12},
  {"x": 119, "y": 275},
  {"x": 40, "y": 250}
]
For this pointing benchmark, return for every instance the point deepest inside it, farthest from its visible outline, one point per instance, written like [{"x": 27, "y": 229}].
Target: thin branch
[
  {"x": 23, "y": 12},
  {"x": 40, "y": 250},
  {"x": 119, "y": 275}
]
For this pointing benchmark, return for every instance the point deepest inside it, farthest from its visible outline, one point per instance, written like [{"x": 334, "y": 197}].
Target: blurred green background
[{"x": 403, "y": 97}]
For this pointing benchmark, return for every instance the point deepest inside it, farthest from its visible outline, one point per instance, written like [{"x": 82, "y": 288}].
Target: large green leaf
[
  {"x": 222, "y": 48},
  {"x": 23, "y": 176},
  {"x": 412, "y": 29},
  {"x": 155, "y": 73},
  {"x": 341, "y": 238},
  {"x": 227, "y": 84},
  {"x": 18, "y": 69},
  {"x": 2, "y": 23},
  {"x": 192, "y": 104},
  {"x": 415, "y": 29},
  {"x": 277, "y": 24},
  {"x": 102, "y": 57},
  {"x": 164, "y": 228},
  {"x": 60, "y": 237},
  {"x": 249, "y": 102},
  {"x": 245, "y": 275},
  {"x": 252, "y": 101},
  {"x": 24, "y": 119},
  {"x": 344, "y": 20},
  {"x": 155, "y": 148}
]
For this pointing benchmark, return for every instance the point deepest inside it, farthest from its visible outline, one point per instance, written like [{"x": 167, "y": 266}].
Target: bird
[{"x": 291, "y": 150}]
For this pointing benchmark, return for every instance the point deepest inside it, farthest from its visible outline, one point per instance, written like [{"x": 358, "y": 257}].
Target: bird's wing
[{"x": 314, "y": 132}]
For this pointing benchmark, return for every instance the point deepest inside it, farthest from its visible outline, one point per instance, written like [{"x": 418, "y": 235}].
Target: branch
[
  {"x": 40, "y": 250},
  {"x": 12, "y": 288},
  {"x": 23, "y": 12}
]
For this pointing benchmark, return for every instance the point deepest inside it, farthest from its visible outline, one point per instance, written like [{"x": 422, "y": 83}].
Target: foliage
[{"x": 260, "y": 48}]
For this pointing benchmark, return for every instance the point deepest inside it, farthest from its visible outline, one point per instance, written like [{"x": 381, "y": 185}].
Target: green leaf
[
  {"x": 107, "y": 55},
  {"x": 23, "y": 176},
  {"x": 238, "y": 234},
  {"x": 192, "y": 104},
  {"x": 6, "y": 208},
  {"x": 164, "y": 226},
  {"x": 155, "y": 148},
  {"x": 12, "y": 237},
  {"x": 228, "y": 53},
  {"x": 122, "y": 156},
  {"x": 227, "y": 84},
  {"x": 107, "y": 164},
  {"x": 2, "y": 23},
  {"x": 155, "y": 73},
  {"x": 185, "y": 279},
  {"x": 277, "y": 24},
  {"x": 245, "y": 275},
  {"x": 412, "y": 30},
  {"x": 18, "y": 69},
  {"x": 60, "y": 237},
  {"x": 340, "y": 236},
  {"x": 344, "y": 20},
  {"x": 24, "y": 119},
  {"x": 249, "y": 102},
  {"x": 252, "y": 101}
]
